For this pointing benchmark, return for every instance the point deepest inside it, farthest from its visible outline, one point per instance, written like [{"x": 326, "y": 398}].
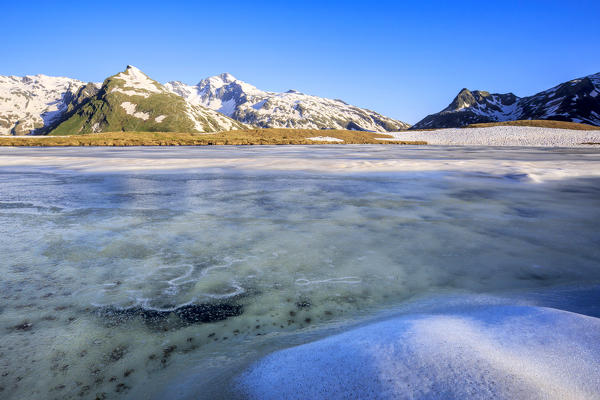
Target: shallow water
[{"x": 123, "y": 271}]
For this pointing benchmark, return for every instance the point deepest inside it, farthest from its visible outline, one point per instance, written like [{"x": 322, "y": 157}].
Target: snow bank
[
  {"x": 502, "y": 136},
  {"x": 325, "y": 139},
  {"x": 481, "y": 352}
]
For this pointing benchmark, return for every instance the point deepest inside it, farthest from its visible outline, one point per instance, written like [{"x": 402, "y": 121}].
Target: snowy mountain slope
[
  {"x": 576, "y": 101},
  {"x": 245, "y": 103},
  {"x": 131, "y": 101},
  {"x": 30, "y": 103}
]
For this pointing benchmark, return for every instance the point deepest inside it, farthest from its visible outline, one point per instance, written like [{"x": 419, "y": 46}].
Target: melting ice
[{"x": 118, "y": 281}]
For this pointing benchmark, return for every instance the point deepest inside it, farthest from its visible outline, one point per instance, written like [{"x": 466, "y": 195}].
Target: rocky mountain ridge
[
  {"x": 292, "y": 109},
  {"x": 577, "y": 100},
  {"x": 29, "y": 103}
]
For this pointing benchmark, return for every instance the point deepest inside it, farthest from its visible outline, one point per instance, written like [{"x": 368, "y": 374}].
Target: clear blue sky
[{"x": 405, "y": 60}]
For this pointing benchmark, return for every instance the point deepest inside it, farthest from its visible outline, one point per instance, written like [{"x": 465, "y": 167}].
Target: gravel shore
[{"x": 503, "y": 136}]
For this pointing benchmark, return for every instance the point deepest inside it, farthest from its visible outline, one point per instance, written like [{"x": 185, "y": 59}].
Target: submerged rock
[{"x": 188, "y": 314}]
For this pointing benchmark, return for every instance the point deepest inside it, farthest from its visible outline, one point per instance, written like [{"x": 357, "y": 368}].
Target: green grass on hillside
[
  {"x": 538, "y": 123},
  {"x": 239, "y": 137}
]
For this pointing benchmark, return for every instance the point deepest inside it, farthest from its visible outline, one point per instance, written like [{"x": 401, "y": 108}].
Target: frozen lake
[{"x": 131, "y": 273}]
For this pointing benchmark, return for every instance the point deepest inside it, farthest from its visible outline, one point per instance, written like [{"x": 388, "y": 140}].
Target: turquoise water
[{"x": 118, "y": 282}]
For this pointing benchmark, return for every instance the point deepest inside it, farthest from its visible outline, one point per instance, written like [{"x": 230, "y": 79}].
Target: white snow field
[
  {"x": 325, "y": 139},
  {"x": 503, "y": 136}
]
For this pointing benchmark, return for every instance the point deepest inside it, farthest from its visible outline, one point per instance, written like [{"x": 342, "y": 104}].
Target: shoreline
[
  {"x": 251, "y": 137},
  {"x": 491, "y": 136}
]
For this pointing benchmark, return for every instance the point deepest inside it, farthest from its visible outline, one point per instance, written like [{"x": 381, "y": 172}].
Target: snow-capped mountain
[
  {"x": 131, "y": 101},
  {"x": 245, "y": 103},
  {"x": 577, "y": 100},
  {"x": 29, "y": 103}
]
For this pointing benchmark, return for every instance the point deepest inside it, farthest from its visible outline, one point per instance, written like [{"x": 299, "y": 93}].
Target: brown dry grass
[
  {"x": 539, "y": 123},
  {"x": 240, "y": 137}
]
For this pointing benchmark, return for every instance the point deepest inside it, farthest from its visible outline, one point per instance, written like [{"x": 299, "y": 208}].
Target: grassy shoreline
[{"x": 238, "y": 137}]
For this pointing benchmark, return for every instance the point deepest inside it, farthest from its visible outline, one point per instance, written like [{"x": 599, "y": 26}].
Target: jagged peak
[
  {"x": 39, "y": 78},
  {"x": 227, "y": 77},
  {"x": 135, "y": 80},
  {"x": 135, "y": 73},
  {"x": 217, "y": 81},
  {"x": 133, "y": 69}
]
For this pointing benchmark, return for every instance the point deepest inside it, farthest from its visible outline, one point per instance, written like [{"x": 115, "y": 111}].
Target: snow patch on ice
[{"x": 494, "y": 351}]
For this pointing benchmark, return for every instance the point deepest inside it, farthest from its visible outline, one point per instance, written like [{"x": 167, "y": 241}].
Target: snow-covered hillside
[
  {"x": 31, "y": 102},
  {"x": 576, "y": 101},
  {"x": 245, "y": 103},
  {"x": 132, "y": 101}
]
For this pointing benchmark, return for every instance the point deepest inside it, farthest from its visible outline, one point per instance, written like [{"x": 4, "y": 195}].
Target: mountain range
[
  {"x": 292, "y": 109},
  {"x": 574, "y": 101},
  {"x": 132, "y": 101}
]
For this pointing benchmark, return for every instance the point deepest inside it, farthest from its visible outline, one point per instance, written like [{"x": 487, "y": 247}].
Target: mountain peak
[
  {"x": 227, "y": 77},
  {"x": 134, "y": 82},
  {"x": 132, "y": 68},
  {"x": 463, "y": 99},
  {"x": 218, "y": 81},
  {"x": 135, "y": 72}
]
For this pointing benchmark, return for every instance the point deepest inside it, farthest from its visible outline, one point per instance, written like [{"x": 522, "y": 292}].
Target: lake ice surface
[{"x": 128, "y": 273}]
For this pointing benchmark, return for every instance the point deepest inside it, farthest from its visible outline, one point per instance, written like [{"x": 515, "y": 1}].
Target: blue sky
[{"x": 402, "y": 59}]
